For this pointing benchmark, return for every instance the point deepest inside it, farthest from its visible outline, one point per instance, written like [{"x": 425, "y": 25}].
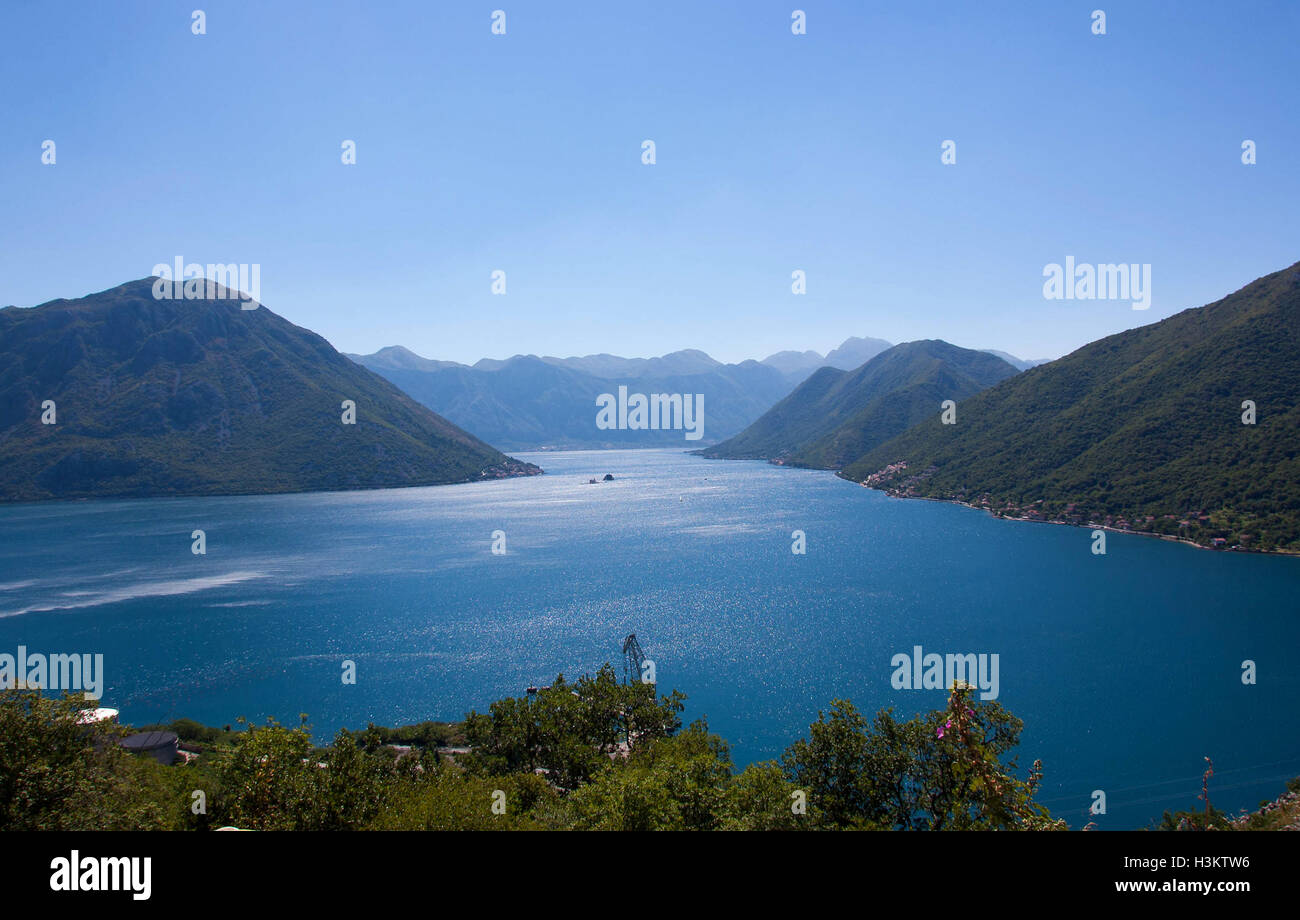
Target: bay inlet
[{"x": 1126, "y": 668}]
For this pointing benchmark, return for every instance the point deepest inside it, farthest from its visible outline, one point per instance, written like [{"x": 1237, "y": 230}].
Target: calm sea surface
[{"x": 1126, "y": 668}]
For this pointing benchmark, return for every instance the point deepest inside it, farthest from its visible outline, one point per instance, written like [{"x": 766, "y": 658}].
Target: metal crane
[{"x": 633, "y": 657}]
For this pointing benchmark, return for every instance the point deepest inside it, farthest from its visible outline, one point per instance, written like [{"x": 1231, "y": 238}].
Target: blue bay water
[{"x": 1126, "y": 668}]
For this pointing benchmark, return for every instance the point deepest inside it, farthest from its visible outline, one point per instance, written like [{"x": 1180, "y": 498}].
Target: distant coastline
[
  {"x": 1170, "y": 538},
  {"x": 516, "y": 470}
]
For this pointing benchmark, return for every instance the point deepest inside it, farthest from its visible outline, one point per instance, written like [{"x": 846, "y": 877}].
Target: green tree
[
  {"x": 672, "y": 783},
  {"x": 570, "y": 731},
  {"x": 270, "y": 781},
  {"x": 56, "y": 774},
  {"x": 938, "y": 771},
  {"x": 761, "y": 798}
]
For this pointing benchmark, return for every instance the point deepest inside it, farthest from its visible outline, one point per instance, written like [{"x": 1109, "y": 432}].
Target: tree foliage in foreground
[
  {"x": 591, "y": 755},
  {"x": 938, "y": 771}
]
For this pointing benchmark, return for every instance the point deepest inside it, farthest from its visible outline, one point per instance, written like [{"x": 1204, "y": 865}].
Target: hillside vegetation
[
  {"x": 195, "y": 397},
  {"x": 836, "y": 416},
  {"x": 1142, "y": 430}
]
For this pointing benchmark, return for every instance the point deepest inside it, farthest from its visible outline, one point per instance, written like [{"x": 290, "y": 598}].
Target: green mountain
[
  {"x": 1141, "y": 430},
  {"x": 836, "y": 416},
  {"x": 194, "y": 397}
]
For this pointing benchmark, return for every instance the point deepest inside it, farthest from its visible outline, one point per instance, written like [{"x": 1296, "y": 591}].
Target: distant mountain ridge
[
  {"x": 686, "y": 361},
  {"x": 1019, "y": 364},
  {"x": 198, "y": 397},
  {"x": 853, "y": 352},
  {"x": 529, "y": 402},
  {"x": 398, "y": 357},
  {"x": 798, "y": 364},
  {"x": 835, "y": 416},
  {"x": 1142, "y": 430}
]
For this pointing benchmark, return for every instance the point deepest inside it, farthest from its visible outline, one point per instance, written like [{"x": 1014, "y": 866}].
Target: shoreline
[
  {"x": 1168, "y": 538},
  {"x": 6, "y": 502}
]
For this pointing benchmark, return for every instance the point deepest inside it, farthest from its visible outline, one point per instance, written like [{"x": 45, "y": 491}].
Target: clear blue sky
[{"x": 775, "y": 152}]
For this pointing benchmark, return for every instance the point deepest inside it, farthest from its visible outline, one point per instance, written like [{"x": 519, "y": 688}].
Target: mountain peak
[
  {"x": 837, "y": 415},
  {"x": 398, "y": 357},
  {"x": 855, "y": 351},
  {"x": 163, "y": 396}
]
